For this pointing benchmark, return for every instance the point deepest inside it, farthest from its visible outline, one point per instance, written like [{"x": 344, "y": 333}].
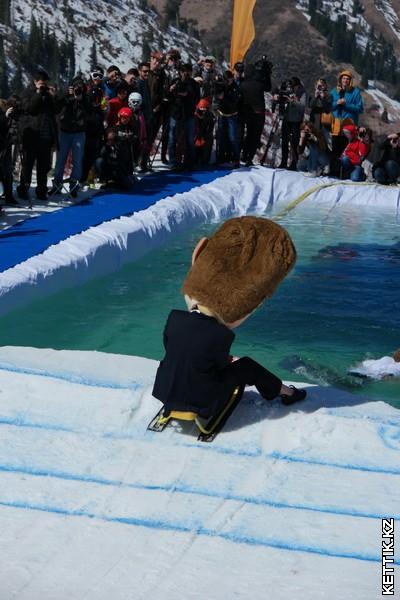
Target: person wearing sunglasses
[
  {"x": 386, "y": 169},
  {"x": 143, "y": 88}
]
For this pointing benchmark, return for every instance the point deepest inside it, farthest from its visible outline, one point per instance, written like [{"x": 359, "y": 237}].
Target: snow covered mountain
[{"x": 112, "y": 30}]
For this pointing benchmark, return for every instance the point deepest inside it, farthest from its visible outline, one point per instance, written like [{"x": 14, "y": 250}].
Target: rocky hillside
[
  {"x": 312, "y": 38},
  {"x": 80, "y": 33}
]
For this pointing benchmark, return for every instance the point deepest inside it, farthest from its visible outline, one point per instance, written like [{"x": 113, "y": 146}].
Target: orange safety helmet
[{"x": 203, "y": 104}]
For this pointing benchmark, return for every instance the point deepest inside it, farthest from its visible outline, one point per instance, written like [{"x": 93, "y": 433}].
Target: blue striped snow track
[
  {"x": 69, "y": 378},
  {"x": 148, "y": 437},
  {"x": 33, "y": 236},
  {"x": 235, "y": 537},
  {"x": 189, "y": 490}
]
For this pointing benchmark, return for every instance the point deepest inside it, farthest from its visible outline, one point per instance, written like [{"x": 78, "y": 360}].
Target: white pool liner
[{"x": 103, "y": 249}]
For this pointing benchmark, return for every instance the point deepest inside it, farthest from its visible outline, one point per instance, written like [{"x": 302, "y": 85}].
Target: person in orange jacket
[{"x": 357, "y": 149}]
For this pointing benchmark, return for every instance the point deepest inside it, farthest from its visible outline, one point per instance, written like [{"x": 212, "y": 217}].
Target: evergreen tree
[
  {"x": 93, "y": 56},
  {"x": 4, "y": 89},
  {"x": 17, "y": 83},
  {"x": 172, "y": 11},
  {"x": 68, "y": 12},
  {"x": 5, "y": 12},
  {"x": 34, "y": 48},
  {"x": 71, "y": 58}
]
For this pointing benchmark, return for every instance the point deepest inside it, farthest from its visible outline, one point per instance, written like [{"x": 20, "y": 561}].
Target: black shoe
[
  {"x": 42, "y": 197},
  {"x": 297, "y": 396},
  {"x": 22, "y": 192},
  {"x": 11, "y": 201},
  {"x": 282, "y": 166},
  {"x": 56, "y": 189}
]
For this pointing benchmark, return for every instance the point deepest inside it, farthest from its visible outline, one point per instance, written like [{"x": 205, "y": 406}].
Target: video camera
[
  {"x": 263, "y": 68},
  {"x": 284, "y": 95}
]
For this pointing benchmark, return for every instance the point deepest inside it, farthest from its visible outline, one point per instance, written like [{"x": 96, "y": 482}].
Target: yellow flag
[{"x": 242, "y": 29}]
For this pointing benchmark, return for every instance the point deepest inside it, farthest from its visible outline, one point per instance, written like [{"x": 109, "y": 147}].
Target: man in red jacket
[{"x": 357, "y": 149}]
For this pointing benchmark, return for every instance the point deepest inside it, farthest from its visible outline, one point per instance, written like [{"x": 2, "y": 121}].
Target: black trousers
[
  {"x": 38, "y": 151},
  {"x": 254, "y": 123},
  {"x": 6, "y": 173},
  {"x": 290, "y": 135},
  {"x": 247, "y": 371},
  {"x": 91, "y": 152},
  {"x": 339, "y": 143}
]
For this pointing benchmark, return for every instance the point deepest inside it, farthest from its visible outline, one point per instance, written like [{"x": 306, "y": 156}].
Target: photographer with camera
[
  {"x": 38, "y": 133},
  {"x": 205, "y": 75},
  {"x": 312, "y": 143},
  {"x": 321, "y": 106},
  {"x": 386, "y": 169},
  {"x": 257, "y": 81},
  {"x": 347, "y": 105},
  {"x": 291, "y": 100},
  {"x": 74, "y": 110},
  {"x": 229, "y": 98},
  {"x": 183, "y": 97},
  {"x": 357, "y": 149}
]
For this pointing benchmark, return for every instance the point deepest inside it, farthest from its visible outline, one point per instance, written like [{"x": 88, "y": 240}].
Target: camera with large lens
[
  {"x": 263, "y": 68},
  {"x": 43, "y": 90},
  {"x": 78, "y": 90},
  {"x": 283, "y": 96},
  {"x": 16, "y": 104},
  {"x": 219, "y": 84}
]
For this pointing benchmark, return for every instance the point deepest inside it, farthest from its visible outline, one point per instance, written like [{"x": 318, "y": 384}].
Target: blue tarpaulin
[{"x": 33, "y": 236}]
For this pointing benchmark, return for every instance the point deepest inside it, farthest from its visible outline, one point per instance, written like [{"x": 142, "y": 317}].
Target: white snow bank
[
  {"x": 377, "y": 368},
  {"x": 105, "y": 248},
  {"x": 94, "y": 506}
]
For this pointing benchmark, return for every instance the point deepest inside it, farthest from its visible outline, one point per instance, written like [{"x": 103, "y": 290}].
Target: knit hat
[{"x": 240, "y": 266}]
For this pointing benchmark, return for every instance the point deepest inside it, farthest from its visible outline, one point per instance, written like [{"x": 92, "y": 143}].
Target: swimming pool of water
[{"x": 338, "y": 306}]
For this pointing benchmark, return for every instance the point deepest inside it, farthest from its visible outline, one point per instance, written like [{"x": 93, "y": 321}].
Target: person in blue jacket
[{"x": 347, "y": 105}]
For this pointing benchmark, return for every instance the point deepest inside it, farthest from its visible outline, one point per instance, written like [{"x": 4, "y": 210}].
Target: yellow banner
[{"x": 243, "y": 31}]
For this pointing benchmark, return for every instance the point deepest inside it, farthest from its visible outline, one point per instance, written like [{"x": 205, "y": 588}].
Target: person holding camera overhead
[
  {"x": 38, "y": 131},
  {"x": 386, "y": 169},
  {"x": 72, "y": 122}
]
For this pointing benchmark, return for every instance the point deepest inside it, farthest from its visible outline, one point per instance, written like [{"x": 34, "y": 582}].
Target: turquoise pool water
[{"x": 339, "y": 305}]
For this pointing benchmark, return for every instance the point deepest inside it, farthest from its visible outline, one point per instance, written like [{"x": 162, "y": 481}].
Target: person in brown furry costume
[{"x": 232, "y": 273}]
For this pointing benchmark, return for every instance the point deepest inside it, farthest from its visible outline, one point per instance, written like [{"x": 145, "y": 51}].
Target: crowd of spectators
[{"x": 109, "y": 125}]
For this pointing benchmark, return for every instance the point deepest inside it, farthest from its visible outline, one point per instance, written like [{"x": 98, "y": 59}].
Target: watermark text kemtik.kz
[{"x": 387, "y": 557}]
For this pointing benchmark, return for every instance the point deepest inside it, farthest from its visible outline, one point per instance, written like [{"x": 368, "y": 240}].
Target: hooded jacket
[
  {"x": 356, "y": 150},
  {"x": 354, "y": 104}
]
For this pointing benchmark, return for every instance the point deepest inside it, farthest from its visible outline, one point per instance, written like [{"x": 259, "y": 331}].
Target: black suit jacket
[{"x": 196, "y": 350}]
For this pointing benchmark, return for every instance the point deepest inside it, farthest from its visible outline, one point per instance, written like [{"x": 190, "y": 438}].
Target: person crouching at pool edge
[{"x": 232, "y": 273}]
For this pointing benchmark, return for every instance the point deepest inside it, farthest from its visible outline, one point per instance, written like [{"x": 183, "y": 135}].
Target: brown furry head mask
[{"x": 240, "y": 266}]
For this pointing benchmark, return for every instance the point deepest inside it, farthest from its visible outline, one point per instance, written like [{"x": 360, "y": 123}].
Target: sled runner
[{"x": 208, "y": 428}]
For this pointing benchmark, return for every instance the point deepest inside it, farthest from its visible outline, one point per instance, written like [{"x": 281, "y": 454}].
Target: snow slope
[
  {"x": 117, "y": 29},
  {"x": 284, "y": 504}
]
